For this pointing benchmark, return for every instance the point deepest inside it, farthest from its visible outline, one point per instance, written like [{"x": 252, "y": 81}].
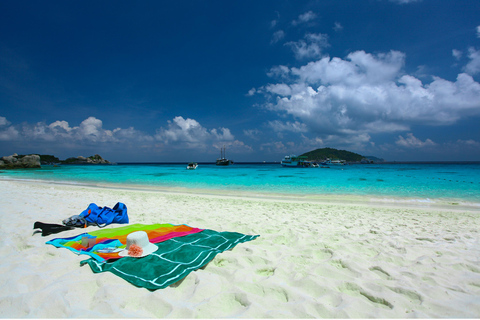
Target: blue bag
[{"x": 103, "y": 216}]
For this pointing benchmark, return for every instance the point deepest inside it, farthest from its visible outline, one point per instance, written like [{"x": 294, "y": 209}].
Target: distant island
[
  {"x": 322, "y": 154},
  {"x": 16, "y": 161}
]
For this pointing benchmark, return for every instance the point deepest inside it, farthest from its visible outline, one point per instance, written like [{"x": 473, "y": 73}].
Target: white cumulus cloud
[
  {"x": 309, "y": 48},
  {"x": 279, "y": 126},
  {"x": 275, "y": 147},
  {"x": 9, "y": 134},
  {"x": 367, "y": 93},
  {"x": 469, "y": 142},
  {"x": 338, "y": 27},
  {"x": 92, "y": 129},
  {"x": 277, "y": 36},
  {"x": 4, "y": 121},
  {"x": 304, "y": 18},
  {"x": 473, "y": 66},
  {"x": 412, "y": 142},
  {"x": 181, "y": 133},
  {"x": 253, "y": 133},
  {"x": 457, "y": 54}
]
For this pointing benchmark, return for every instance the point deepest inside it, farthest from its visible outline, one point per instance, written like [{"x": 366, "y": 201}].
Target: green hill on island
[{"x": 331, "y": 153}]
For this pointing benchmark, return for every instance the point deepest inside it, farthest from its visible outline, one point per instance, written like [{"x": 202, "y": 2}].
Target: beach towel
[
  {"x": 181, "y": 250},
  {"x": 109, "y": 242},
  {"x": 174, "y": 259}
]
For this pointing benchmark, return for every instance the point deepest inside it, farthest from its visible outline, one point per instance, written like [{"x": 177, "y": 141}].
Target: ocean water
[{"x": 418, "y": 181}]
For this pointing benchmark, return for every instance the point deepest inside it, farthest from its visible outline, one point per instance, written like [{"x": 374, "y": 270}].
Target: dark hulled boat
[{"x": 223, "y": 161}]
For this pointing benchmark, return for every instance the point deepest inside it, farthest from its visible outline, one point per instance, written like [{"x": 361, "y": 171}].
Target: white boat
[
  {"x": 294, "y": 161},
  {"x": 335, "y": 162},
  {"x": 192, "y": 166}
]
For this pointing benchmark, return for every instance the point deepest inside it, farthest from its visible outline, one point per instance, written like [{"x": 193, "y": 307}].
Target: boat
[
  {"x": 192, "y": 166},
  {"x": 223, "y": 161},
  {"x": 294, "y": 161},
  {"x": 335, "y": 162}
]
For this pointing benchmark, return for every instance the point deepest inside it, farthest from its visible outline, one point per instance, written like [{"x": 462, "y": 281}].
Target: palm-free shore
[{"x": 314, "y": 259}]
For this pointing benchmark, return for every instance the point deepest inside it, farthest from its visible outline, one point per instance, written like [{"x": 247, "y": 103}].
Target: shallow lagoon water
[{"x": 456, "y": 182}]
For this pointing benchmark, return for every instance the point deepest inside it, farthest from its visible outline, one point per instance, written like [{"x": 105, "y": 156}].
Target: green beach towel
[{"x": 174, "y": 259}]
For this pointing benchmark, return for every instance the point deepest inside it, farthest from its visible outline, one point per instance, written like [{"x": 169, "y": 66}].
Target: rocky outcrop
[
  {"x": 15, "y": 161},
  {"x": 96, "y": 159},
  {"x": 48, "y": 159}
]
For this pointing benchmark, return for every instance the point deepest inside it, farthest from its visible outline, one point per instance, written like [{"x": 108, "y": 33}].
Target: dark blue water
[{"x": 420, "y": 181}]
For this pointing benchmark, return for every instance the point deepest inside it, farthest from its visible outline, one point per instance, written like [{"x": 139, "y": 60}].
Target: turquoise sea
[{"x": 452, "y": 182}]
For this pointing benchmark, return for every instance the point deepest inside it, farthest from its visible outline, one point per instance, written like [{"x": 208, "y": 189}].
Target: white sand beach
[{"x": 313, "y": 259}]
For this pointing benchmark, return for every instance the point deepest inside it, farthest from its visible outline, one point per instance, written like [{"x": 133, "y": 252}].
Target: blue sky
[{"x": 174, "y": 81}]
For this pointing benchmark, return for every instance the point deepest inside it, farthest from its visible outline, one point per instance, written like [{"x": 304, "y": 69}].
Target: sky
[{"x": 175, "y": 81}]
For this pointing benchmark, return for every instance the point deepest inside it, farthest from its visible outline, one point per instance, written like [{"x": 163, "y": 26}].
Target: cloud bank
[
  {"x": 368, "y": 93},
  {"x": 179, "y": 133}
]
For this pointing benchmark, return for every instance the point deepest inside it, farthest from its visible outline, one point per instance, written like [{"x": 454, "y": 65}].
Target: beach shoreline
[
  {"x": 316, "y": 257},
  {"x": 341, "y": 199}
]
